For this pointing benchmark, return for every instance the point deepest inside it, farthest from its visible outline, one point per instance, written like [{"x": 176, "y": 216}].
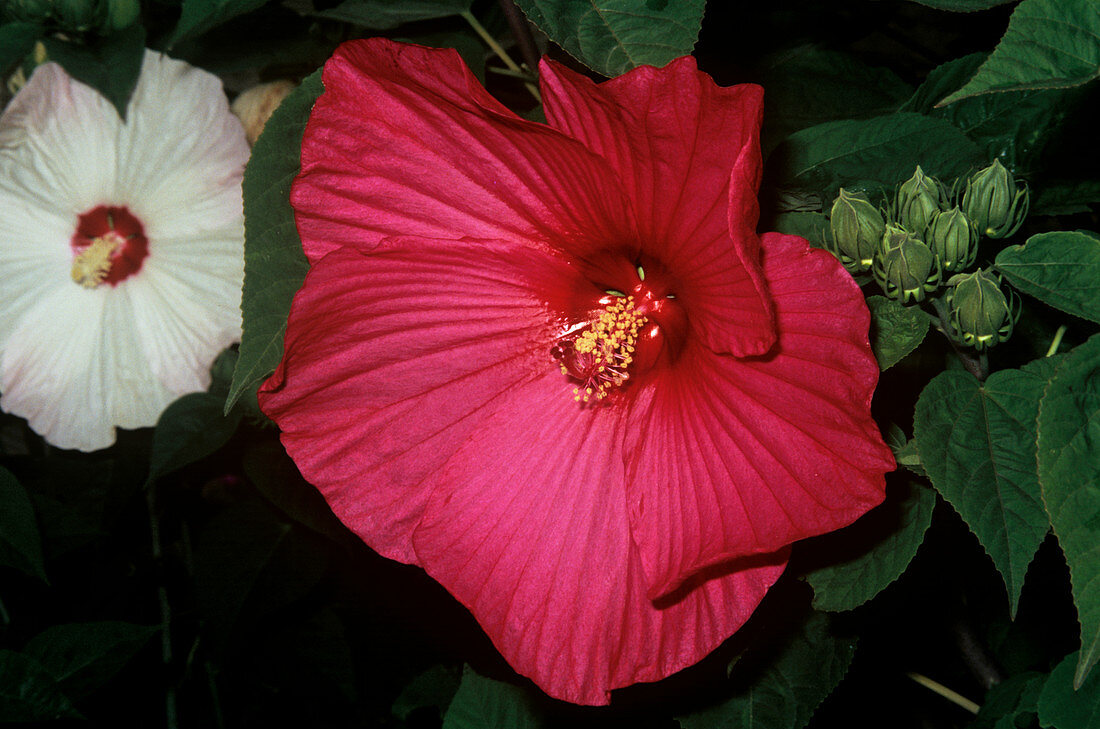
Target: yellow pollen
[
  {"x": 93, "y": 264},
  {"x": 608, "y": 344}
]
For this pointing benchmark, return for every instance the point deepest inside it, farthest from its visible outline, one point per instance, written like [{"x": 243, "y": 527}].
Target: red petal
[
  {"x": 688, "y": 154},
  {"x": 740, "y": 456},
  {"x": 404, "y": 141},
  {"x": 527, "y": 526},
  {"x": 394, "y": 357}
]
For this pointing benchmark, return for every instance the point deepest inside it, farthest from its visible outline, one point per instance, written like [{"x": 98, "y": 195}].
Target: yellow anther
[
  {"x": 604, "y": 350},
  {"x": 93, "y": 264}
]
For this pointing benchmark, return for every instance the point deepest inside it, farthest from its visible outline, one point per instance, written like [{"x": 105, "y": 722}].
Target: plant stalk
[
  {"x": 952, "y": 696},
  {"x": 499, "y": 51}
]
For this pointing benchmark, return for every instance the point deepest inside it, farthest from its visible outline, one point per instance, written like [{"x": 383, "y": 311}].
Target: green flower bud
[
  {"x": 29, "y": 10},
  {"x": 121, "y": 14},
  {"x": 857, "y": 229},
  {"x": 904, "y": 267},
  {"x": 918, "y": 199},
  {"x": 954, "y": 238},
  {"x": 993, "y": 201},
  {"x": 981, "y": 315}
]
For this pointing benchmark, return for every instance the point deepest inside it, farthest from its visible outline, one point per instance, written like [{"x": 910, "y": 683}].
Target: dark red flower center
[
  {"x": 627, "y": 333},
  {"x": 109, "y": 245}
]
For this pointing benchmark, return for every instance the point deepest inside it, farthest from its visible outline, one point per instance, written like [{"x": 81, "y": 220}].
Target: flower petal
[
  {"x": 404, "y": 141},
  {"x": 394, "y": 357},
  {"x": 527, "y": 526},
  {"x": 688, "y": 154},
  {"x": 769, "y": 449}
]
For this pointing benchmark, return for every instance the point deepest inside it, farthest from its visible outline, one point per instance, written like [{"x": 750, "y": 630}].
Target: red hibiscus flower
[{"x": 554, "y": 366}]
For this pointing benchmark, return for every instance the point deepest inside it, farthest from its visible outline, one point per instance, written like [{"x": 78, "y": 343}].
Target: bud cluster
[{"x": 926, "y": 237}]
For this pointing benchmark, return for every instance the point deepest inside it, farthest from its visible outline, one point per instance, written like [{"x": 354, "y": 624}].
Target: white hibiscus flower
[{"x": 121, "y": 249}]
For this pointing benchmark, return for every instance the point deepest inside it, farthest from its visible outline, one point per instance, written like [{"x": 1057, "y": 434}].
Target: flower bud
[
  {"x": 256, "y": 105},
  {"x": 121, "y": 14},
  {"x": 30, "y": 10},
  {"x": 954, "y": 238},
  {"x": 993, "y": 201},
  {"x": 857, "y": 229},
  {"x": 904, "y": 267},
  {"x": 981, "y": 315},
  {"x": 76, "y": 14},
  {"x": 918, "y": 199}
]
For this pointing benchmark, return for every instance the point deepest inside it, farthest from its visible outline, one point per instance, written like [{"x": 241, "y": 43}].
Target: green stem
[
  {"x": 499, "y": 50},
  {"x": 4, "y": 614},
  {"x": 170, "y": 710},
  {"x": 1057, "y": 341},
  {"x": 952, "y": 696}
]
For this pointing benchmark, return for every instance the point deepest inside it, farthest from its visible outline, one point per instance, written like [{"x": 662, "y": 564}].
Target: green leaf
[
  {"x": 20, "y": 543},
  {"x": 16, "y": 41},
  {"x": 1065, "y": 703},
  {"x": 274, "y": 264},
  {"x": 896, "y": 330},
  {"x": 435, "y": 687},
  {"x": 814, "y": 227},
  {"x": 1060, "y": 268},
  {"x": 1012, "y": 703},
  {"x": 784, "y": 695},
  {"x": 1049, "y": 44},
  {"x": 110, "y": 65},
  {"x": 188, "y": 430},
  {"x": 1010, "y": 126},
  {"x": 810, "y": 85},
  {"x": 977, "y": 444},
  {"x": 866, "y": 557},
  {"x": 1069, "y": 472},
  {"x": 884, "y": 151},
  {"x": 199, "y": 16},
  {"x": 84, "y": 656},
  {"x": 962, "y": 6},
  {"x": 389, "y": 14},
  {"x": 275, "y": 476},
  {"x": 482, "y": 703},
  {"x": 29, "y": 693},
  {"x": 614, "y": 36},
  {"x": 1065, "y": 197}
]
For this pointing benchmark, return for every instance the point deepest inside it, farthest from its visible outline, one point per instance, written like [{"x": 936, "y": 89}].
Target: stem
[
  {"x": 952, "y": 696},
  {"x": 975, "y": 656},
  {"x": 171, "y": 714},
  {"x": 4, "y": 613},
  {"x": 1057, "y": 341},
  {"x": 499, "y": 50},
  {"x": 522, "y": 32},
  {"x": 975, "y": 365}
]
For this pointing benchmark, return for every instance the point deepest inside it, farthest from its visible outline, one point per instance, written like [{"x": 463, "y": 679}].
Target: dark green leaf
[
  {"x": 188, "y": 430},
  {"x": 884, "y": 150},
  {"x": 29, "y": 693},
  {"x": 804, "y": 671},
  {"x": 199, "y": 16},
  {"x": 977, "y": 444},
  {"x": 110, "y": 65},
  {"x": 1049, "y": 44},
  {"x": 1065, "y": 704},
  {"x": 810, "y": 85},
  {"x": 962, "y": 6},
  {"x": 276, "y": 477},
  {"x": 905, "y": 451},
  {"x": 20, "y": 543},
  {"x": 1010, "y": 126},
  {"x": 1069, "y": 472},
  {"x": 389, "y": 14},
  {"x": 274, "y": 264},
  {"x": 1061, "y": 268},
  {"x": 482, "y": 703},
  {"x": 84, "y": 656},
  {"x": 814, "y": 227},
  {"x": 249, "y": 563},
  {"x": 1012, "y": 703},
  {"x": 896, "y": 330},
  {"x": 1065, "y": 197},
  {"x": 866, "y": 557},
  {"x": 16, "y": 41},
  {"x": 435, "y": 688},
  {"x": 614, "y": 36}
]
